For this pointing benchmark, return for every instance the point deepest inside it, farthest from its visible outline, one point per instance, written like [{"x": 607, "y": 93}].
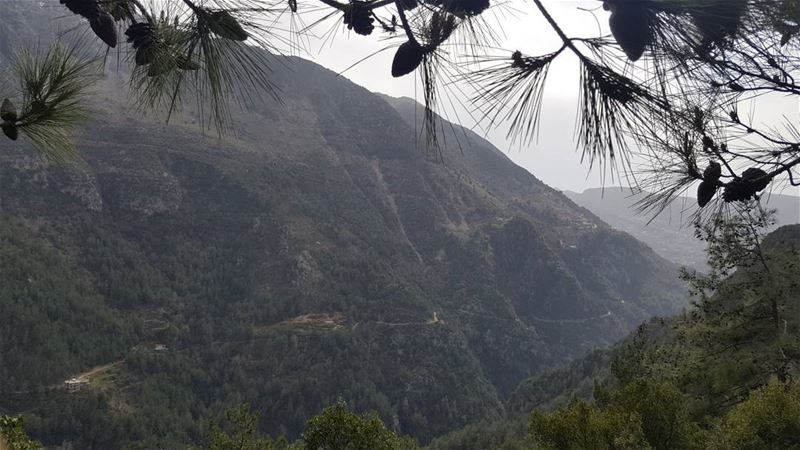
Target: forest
[
  {"x": 688, "y": 382},
  {"x": 362, "y": 272}
]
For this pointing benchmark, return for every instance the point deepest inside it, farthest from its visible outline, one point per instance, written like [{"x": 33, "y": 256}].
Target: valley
[
  {"x": 317, "y": 254},
  {"x": 208, "y": 242}
]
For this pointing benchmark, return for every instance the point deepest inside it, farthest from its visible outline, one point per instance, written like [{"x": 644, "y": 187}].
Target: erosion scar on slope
[{"x": 376, "y": 168}]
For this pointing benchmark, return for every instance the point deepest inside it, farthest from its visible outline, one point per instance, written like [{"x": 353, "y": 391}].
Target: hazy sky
[{"x": 553, "y": 157}]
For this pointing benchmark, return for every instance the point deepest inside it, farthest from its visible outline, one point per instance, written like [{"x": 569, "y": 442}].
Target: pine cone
[
  {"x": 408, "y": 57},
  {"x": 8, "y": 112},
  {"x": 744, "y": 188},
  {"x": 462, "y": 8},
  {"x": 735, "y": 191},
  {"x": 10, "y": 130},
  {"x": 358, "y": 18},
  {"x": 85, "y": 8},
  {"x": 630, "y": 25},
  {"x": 440, "y": 28},
  {"x": 105, "y": 28},
  {"x": 713, "y": 172},
  {"x": 224, "y": 25},
  {"x": 757, "y": 178},
  {"x": 142, "y": 38},
  {"x": 145, "y": 56},
  {"x": 717, "y": 22},
  {"x": 141, "y": 35},
  {"x": 705, "y": 192}
]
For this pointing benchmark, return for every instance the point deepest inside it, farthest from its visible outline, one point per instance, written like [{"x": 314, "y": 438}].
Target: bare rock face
[
  {"x": 23, "y": 169},
  {"x": 146, "y": 190},
  {"x": 19, "y": 157},
  {"x": 136, "y": 183},
  {"x": 81, "y": 184},
  {"x": 306, "y": 273}
]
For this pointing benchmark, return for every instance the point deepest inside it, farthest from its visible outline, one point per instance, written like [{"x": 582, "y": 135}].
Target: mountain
[
  {"x": 717, "y": 357},
  {"x": 316, "y": 254},
  {"x": 670, "y": 233}
]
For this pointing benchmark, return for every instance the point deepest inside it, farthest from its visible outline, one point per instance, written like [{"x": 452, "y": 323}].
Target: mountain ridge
[{"x": 670, "y": 233}]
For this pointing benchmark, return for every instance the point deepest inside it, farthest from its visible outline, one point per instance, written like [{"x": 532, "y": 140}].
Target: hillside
[
  {"x": 670, "y": 234},
  {"x": 715, "y": 357},
  {"x": 317, "y": 254}
]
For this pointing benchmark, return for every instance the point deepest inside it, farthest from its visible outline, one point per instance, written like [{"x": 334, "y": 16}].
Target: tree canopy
[
  {"x": 13, "y": 435},
  {"x": 335, "y": 428}
]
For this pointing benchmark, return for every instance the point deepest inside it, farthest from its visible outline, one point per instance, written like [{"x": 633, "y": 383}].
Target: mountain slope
[
  {"x": 315, "y": 255},
  {"x": 716, "y": 355}
]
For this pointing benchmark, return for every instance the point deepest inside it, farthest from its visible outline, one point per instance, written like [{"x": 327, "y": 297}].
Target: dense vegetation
[
  {"x": 318, "y": 258},
  {"x": 166, "y": 278},
  {"x": 335, "y": 428},
  {"x": 49, "y": 315},
  {"x": 721, "y": 376}
]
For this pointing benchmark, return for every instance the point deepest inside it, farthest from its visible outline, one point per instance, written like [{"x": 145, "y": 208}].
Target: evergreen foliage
[
  {"x": 242, "y": 433},
  {"x": 336, "y": 428},
  {"x": 720, "y": 376},
  {"x": 260, "y": 271},
  {"x": 13, "y": 435},
  {"x": 769, "y": 418}
]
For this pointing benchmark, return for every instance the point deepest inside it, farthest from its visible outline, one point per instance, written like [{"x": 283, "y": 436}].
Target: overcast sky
[{"x": 553, "y": 158}]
